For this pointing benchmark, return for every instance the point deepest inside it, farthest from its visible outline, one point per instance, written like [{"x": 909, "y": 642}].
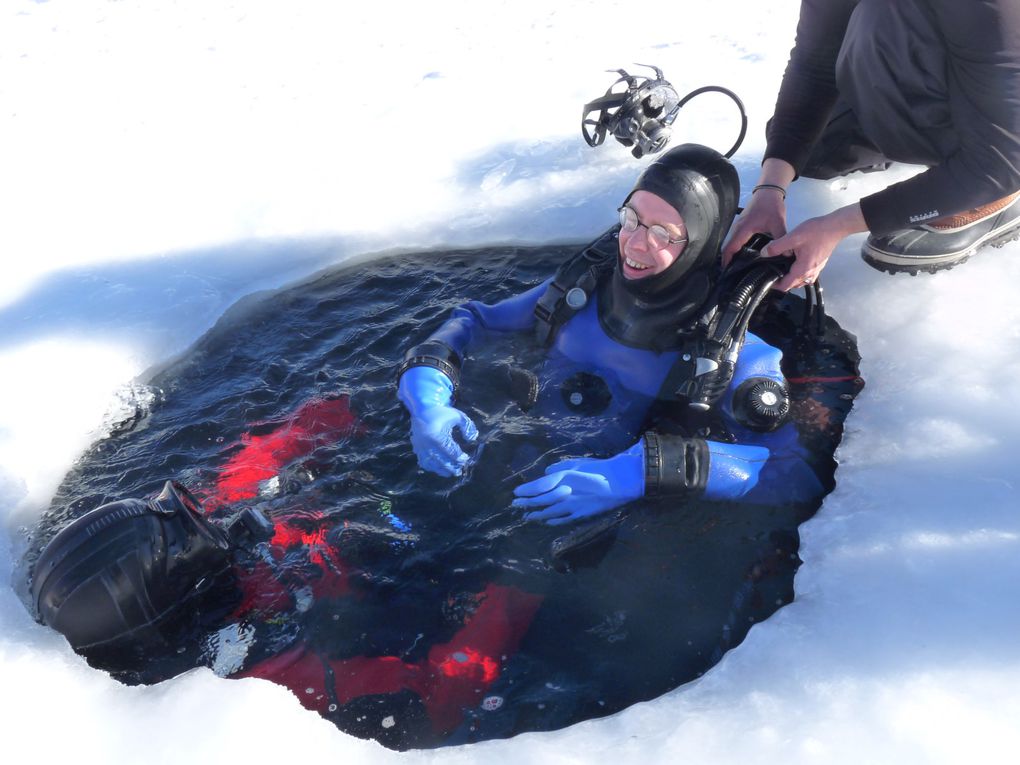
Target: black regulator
[{"x": 639, "y": 112}]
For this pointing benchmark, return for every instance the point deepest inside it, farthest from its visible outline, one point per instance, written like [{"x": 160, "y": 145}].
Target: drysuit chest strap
[{"x": 573, "y": 285}]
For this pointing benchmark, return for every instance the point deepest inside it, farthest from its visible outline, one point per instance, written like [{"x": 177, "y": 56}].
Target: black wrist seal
[
  {"x": 674, "y": 465},
  {"x": 433, "y": 354}
]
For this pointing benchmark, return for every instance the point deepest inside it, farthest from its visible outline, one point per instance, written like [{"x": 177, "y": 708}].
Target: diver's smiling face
[{"x": 640, "y": 255}]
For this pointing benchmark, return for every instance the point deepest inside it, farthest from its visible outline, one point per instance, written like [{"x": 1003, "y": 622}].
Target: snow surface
[{"x": 159, "y": 160}]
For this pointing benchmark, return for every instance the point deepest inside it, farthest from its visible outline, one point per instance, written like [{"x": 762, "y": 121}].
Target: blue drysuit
[{"x": 759, "y": 467}]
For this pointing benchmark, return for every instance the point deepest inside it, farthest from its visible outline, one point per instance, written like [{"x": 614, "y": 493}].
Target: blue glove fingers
[
  {"x": 576, "y": 480},
  {"x": 437, "y": 451},
  {"x": 433, "y": 442},
  {"x": 569, "y": 510},
  {"x": 553, "y": 515},
  {"x": 575, "y": 463},
  {"x": 570, "y": 517},
  {"x": 538, "y": 486},
  {"x": 467, "y": 429},
  {"x": 437, "y": 462},
  {"x": 583, "y": 487},
  {"x": 584, "y": 483},
  {"x": 434, "y": 463},
  {"x": 544, "y": 499}
]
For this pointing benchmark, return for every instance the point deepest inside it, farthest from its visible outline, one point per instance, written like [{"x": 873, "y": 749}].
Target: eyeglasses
[{"x": 658, "y": 236}]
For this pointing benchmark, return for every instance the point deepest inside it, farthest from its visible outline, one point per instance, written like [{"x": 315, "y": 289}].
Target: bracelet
[{"x": 780, "y": 189}]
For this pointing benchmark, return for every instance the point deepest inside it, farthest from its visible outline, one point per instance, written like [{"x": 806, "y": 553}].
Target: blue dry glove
[
  {"x": 580, "y": 488},
  {"x": 427, "y": 393}
]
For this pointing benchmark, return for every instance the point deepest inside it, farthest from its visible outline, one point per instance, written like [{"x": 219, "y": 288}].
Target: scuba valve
[
  {"x": 743, "y": 287},
  {"x": 642, "y": 116},
  {"x": 705, "y": 369}
]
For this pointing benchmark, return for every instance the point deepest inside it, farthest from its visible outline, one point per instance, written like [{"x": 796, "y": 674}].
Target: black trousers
[{"x": 843, "y": 148}]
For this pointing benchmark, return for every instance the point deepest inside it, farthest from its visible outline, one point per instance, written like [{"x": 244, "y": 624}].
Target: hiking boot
[{"x": 945, "y": 241}]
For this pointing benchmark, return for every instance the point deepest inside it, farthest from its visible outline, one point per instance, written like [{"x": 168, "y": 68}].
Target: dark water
[{"x": 654, "y": 603}]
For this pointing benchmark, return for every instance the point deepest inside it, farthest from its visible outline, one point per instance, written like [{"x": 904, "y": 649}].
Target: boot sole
[{"x": 891, "y": 263}]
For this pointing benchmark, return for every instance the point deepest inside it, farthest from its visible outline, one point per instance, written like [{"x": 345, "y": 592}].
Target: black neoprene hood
[{"x": 701, "y": 185}]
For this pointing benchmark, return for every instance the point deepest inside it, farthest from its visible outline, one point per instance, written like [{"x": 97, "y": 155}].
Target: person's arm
[
  {"x": 806, "y": 97},
  {"x": 772, "y": 465},
  {"x": 430, "y": 374},
  {"x": 768, "y": 465},
  {"x": 468, "y": 322},
  {"x": 765, "y": 212},
  {"x": 983, "y": 54},
  {"x": 766, "y": 469},
  {"x": 808, "y": 90}
]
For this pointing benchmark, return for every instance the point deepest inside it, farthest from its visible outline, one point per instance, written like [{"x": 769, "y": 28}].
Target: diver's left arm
[
  {"x": 766, "y": 463},
  {"x": 767, "y": 466}
]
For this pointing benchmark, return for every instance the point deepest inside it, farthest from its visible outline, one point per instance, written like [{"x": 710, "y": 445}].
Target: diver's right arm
[
  {"x": 470, "y": 321},
  {"x": 430, "y": 375}
]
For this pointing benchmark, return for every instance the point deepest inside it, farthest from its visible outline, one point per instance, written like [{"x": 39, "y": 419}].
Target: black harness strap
[{"x": 573, "y": 285}]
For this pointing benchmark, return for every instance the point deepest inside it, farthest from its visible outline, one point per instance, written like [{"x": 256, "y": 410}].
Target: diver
[
  {"x": 148, "y": 589},
  {"x": 649, "y": 371}
]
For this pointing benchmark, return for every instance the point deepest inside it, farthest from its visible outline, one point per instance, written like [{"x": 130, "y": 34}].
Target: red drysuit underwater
[{"x": 147, "y": 589}]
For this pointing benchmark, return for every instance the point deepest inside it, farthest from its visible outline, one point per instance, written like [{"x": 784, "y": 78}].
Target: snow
[{"x": 160, "y": 160}]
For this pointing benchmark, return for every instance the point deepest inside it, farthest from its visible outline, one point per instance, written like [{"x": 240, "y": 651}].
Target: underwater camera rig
[{"x": 641, "y": 116}]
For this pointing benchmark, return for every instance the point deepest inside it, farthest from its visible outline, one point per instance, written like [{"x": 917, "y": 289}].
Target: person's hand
[
  {"x": 433, "y": 442},
  {"x": 427, "y": 393},
  {"x": 584, "y": 487},
  {"x": 765, "y": 214},
  {"x": 765, "y": 211},
  {"x": 812, "y": 244}
]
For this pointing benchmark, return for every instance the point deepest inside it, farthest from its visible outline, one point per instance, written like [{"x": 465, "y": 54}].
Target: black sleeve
[
  {"x": 808, "y": 91},
  {"x": 982, "y": 39}
]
